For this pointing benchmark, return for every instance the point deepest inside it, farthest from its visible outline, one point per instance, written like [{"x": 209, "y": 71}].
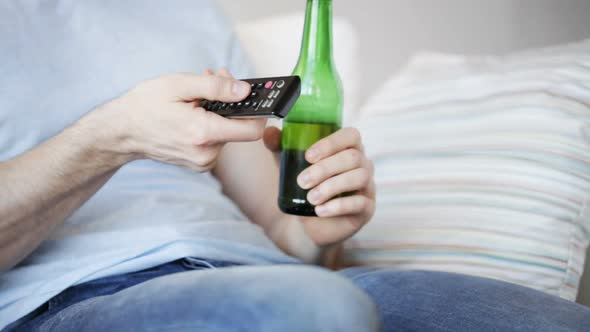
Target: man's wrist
[
  {"x": 289, "y": 235},
  {"x": 102, "y": 134}
]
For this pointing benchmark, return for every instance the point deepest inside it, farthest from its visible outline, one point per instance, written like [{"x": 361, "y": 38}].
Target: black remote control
[{"x": 271, "y": 97}]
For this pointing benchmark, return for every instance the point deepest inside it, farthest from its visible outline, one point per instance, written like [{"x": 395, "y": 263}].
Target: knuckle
[
  {"x": 325, "y": 146},
  {"x": 356, "y": 157},
  {"x": 208, "y": 162},
  {"x": 201, "y": 165},
  {"x": 360, "y": 203},
  {"x": 210, "y": 155},
  {"x": 327, "y": 188},
  {"x": 257, "y": 129},
  {"x": 258, "y": 133},
  {"x": 337, "y": 205},
  {"x": 252, "y": 134},
  {"x": 214, "y": 87},
  {"x": 355, "y": 134},
  {"x": 364, "y": 176},
  {"x": 318, "y": 171},
  {"x": 202, "y": 137},
  {"x": 257, "y": 136}
]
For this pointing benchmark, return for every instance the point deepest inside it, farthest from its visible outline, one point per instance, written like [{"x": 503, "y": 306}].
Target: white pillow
[
  {"x": 483, "y": 168},
  {"x": 273, "y": 44}
]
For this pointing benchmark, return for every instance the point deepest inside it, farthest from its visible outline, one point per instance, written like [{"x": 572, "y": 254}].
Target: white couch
[{"x": 275, "y": 53}]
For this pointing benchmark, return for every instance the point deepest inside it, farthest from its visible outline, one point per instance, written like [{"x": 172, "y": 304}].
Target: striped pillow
[{"x": 483, "y": 168}]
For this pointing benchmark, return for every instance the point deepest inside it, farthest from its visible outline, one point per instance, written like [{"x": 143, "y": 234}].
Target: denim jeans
[{"x": 205, "y": 295}]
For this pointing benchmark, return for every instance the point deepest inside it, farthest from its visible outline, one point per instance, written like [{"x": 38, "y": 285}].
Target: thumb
[
  {"x": 192, "y": 87},
  {"x": 272, "y": 139}
]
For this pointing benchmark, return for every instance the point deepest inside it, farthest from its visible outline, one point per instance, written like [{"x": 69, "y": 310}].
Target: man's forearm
[{"x": 44, "y": 186}]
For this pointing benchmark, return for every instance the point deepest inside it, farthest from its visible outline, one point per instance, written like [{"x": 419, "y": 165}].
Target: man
[{"x": 102, "y": 230}]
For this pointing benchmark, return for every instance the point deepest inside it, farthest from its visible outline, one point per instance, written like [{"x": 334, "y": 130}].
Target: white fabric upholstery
[
  {"x": 483, "y": 168},
  {"x": 276, "y": 56}
]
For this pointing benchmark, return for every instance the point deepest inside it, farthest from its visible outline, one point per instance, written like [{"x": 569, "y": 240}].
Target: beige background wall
[{"x": 391, "y": 30}]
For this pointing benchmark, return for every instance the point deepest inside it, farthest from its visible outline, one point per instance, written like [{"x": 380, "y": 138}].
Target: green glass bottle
[{"x": 318, "y": 111}]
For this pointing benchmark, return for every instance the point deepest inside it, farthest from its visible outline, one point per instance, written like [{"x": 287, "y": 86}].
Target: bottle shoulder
[{"x": 321, "y": 98}]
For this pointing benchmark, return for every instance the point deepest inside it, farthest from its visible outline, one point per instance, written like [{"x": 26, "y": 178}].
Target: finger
[
  {"x": 272, "y": 139},
  {"x": 224, "y": 72},
  {"x": 351, "y": 205},
  {"x": 210, "y": 87},
  {"x": 326, "y": 231},
  {"x": 339, "y": 163},
  {"x": 342, "y": 139},
  {"x": 217, "y": 129},
  {"x": 354, "y": 180}
]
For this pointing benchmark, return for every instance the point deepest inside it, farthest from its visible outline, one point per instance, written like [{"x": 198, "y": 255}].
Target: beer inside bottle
[{"x": 318, "y": 111}]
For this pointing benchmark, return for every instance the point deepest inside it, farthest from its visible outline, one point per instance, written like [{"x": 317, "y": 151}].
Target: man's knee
[
  {"x": 273, "y": 298},
  {"x": 292, "y": 298}
]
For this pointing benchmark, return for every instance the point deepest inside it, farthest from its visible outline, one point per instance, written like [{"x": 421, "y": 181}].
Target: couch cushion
[{"x": 483, "y": 168}]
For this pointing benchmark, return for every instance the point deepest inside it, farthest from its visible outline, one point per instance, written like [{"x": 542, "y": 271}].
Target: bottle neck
[{"x": 316, "y": 46}]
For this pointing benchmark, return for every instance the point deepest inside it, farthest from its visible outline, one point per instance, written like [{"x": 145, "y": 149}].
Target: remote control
[{"x": 271, "y": 97}]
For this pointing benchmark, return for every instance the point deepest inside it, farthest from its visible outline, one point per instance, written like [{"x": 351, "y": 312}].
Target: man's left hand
[{"x": 338, "y": 166}]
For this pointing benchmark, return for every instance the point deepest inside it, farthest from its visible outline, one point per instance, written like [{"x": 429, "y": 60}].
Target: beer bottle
[{"x": 318, "y": 111}]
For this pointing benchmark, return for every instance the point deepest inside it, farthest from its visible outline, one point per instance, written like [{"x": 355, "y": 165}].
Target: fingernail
[
  {"x": 304, "y": 179},
  {"x": 312, "y": 154},
  {"x": 314, "y": 196},
  {"x": 240, "y": 88},
  {"x": 322, "y": 209}
]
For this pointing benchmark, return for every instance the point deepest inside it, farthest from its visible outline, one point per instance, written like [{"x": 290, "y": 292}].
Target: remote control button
[
  {"x": 280, "y": 84},
  {"x": 254, "y": 94},
  {"x": 271, "y": 94},
  {"x": 239, "y": 105},
  {"x": 268, "y": 84},
  {"x": 254, "y": 104},
  {"x": 253, "y": 86},
  {"x": 223, "y": 106},
  {"x": 264, "y": 103},
  {"x": 270, "y": 103},
  {"x": 247, "y": 104},
  {"x": 277, "y": 92}
]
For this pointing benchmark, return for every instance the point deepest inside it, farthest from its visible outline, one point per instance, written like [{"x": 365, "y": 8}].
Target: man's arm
[
  {"x": 44, "y": 186},
  {"x": 159, "y": 119},
  {"x": 249, "y": 174}
]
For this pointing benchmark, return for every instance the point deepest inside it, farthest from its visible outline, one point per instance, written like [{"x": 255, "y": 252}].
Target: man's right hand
[{"x": 160, "y": 119}]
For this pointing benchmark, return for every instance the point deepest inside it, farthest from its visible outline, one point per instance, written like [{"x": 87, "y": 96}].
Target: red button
[{"x": 268, "y": 84}]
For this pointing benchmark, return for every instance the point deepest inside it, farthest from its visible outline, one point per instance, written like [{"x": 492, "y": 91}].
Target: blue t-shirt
[{"x": 59, "y": 59}]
